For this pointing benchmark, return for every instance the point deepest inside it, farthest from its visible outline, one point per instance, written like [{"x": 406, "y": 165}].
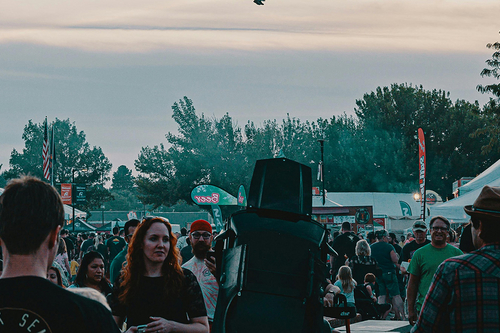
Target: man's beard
[{"x": 200, "y": 250}]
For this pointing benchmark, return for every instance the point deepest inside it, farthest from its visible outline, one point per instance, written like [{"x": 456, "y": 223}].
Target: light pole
[
  {"x": 322, "y": 143},
  {"x": 73, "y": 170}
]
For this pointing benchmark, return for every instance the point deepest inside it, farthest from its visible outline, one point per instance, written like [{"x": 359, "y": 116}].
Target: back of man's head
[
  {"x": 393, "y": 237},
  {"x": 116, "y": 230},
  {"x": 130, "y": 223},
  {"x": 346, "y": 226},
  {"x": 29, "y": 210},
  {"x": 381, "y": 234}
]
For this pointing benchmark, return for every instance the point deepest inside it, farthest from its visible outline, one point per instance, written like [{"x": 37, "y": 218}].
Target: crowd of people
[
  {"x": 145, "y": 278},
  {"x": 135, "y": 283},
  {"x": 429, "y": 282}
]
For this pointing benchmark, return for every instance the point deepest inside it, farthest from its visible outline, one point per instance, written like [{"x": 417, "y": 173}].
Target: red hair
[{"x": 135, "y": 268}]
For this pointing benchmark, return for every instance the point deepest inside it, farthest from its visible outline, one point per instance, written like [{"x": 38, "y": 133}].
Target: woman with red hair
[{"x": 154, "y": 290}]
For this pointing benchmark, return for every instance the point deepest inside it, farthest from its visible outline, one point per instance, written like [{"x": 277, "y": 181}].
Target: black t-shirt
[
  {"x": 345, "y": 245},
  {"x": 397, "y": 248},
  {"x": 149, "y": 301},
  {"x": 85, "y": 245},
  {"x": 69, "y": 244},
  {"x": 34, "y": 304},
  {"x": 466, "y": 244},
  {"x": 410, "y": 248},
  {"x": 115, "y": 245}
]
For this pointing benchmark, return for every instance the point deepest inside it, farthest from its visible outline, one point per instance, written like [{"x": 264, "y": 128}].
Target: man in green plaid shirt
[{"x": 464, "y": 294}]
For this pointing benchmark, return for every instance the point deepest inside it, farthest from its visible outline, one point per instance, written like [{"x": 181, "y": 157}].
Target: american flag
[{"x": 45, "y": 154}]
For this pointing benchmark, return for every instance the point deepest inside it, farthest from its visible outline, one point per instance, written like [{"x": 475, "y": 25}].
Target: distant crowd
[{"x": 145, "y": 278}]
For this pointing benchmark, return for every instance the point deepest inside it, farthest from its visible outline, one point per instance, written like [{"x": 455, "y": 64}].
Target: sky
[{"x": 115, "y": 68}]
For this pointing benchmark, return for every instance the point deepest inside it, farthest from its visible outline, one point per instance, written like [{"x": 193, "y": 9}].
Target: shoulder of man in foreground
[{"x": 35, "y": 304}]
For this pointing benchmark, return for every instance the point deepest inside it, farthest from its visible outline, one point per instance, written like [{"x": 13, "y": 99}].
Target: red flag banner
[
  {"x": 66, "y": 194},
  {"x": 421, "y": 164},
  {"x": 45, "y": 153}
]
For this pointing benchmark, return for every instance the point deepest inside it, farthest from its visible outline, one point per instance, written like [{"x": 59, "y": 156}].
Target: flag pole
[
  {"x": 52, "y": 155},
  {"x": 46, "y": 153}
]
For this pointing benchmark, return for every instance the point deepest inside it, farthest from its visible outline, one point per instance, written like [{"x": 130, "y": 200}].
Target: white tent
[
  {"x": 384, "y": 204},
  {"x": 453, "y": 209},
  {"x": 68, "y": 213},
  {"x": 490, "y": 176}
]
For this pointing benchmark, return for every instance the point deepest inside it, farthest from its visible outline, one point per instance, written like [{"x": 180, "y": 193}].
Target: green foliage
[
  {"x": 491, "y": 111},
  {"x": 123, "y": 179},
  {"x": 400, "y": 110},
  {"x": 73, "y": 152},
  {"x": 374, "y": 151}
]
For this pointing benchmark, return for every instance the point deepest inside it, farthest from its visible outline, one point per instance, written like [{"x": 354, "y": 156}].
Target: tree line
[{"x": 374, "y": 150}]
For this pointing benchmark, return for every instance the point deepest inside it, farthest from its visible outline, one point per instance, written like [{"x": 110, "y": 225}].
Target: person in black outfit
[
  {"x": 420, "y": 233},
  {"x": 153, "y": 289},
  {"x": 115, "y": 244},
  {"x": 345, "y": 245},
  {"x": 466, "y": 244},
  {"x": 31, "y": 216}
]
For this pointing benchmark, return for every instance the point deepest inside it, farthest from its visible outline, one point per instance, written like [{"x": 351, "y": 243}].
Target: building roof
[{"x": 383, "y": 203}]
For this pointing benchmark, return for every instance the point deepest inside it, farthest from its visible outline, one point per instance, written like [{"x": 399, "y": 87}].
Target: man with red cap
[
  {"x": 463, "y": 296},
  {"x": 202, "y": 267}
]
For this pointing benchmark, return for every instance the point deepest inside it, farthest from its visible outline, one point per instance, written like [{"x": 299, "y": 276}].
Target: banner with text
[
  {"x": 66, "y": 194},
  {"x": 212, "y": 195},
  {"x": 242, "y": 196},
  {"x": 421, "y": 164},
  {"x": 217, "y": 217},
  {"x": 81, "y": 193}
]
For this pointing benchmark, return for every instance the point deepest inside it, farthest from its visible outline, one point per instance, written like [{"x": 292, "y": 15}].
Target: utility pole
[{"x": 322, "y": 166}]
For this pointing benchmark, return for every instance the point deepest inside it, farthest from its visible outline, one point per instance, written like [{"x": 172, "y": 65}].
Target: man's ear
[{"x": 54, "y": 237}]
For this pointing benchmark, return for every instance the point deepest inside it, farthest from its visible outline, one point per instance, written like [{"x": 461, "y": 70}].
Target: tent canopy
[{"x": 453, "y": 209}]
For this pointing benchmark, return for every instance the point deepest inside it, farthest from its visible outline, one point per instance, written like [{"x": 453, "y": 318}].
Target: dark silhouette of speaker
[{"x": 273, "y": 256}]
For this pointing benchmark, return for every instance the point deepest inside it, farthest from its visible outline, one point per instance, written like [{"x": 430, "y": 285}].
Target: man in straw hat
[{"x": 463, "y": 296}]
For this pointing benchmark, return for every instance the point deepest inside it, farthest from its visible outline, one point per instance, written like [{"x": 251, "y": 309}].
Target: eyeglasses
[
  {"x": 439, "y": 229},
  {"x": 205, "y": 235}
]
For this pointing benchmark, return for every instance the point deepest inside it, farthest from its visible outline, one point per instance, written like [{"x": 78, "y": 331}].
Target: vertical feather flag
[
  {"x": 45, "y": 153},
  {"x": 421, "y": 162}
]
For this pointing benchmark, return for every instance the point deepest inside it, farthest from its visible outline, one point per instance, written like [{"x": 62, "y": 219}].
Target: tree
[
  {"x": 73, "y": 152},
  {"x": 205, "y": 151},
  {"x": 491, "y": 111},
  {"x": 123, "y": 179},
  {"x": 401, "y": 109}
]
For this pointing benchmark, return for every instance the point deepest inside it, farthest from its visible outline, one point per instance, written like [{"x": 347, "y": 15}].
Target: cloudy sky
[{"x": 116, "y": 67}]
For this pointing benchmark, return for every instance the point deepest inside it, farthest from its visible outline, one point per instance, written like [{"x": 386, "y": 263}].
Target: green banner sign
[
  {"x": 405, "y": 208},
  {"x": 80, "y": 193},
  {"x": 217, "y": 218},
  {"x": 212, "y": 195},
  {"x": 242, "y": 196}
]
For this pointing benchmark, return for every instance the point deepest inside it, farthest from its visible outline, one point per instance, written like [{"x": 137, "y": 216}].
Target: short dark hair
[
  {"x": 116, "y": 229},
  {"x": 393, "y": 236},
  {"x": 439, "y": 217},
  {"x": 346, "y": 226},
  {"x": 370, "y": 236},
  {"x": 131, "y": 223},
  {"x": 381, "y": 234},
  {"x": 370, "y": 277},
  {"x": 29, "y": 210},
  {"x": 64, "y": 232},
  {"x": 490, "y": 226},
  {"x": 183, "y": 231}
]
